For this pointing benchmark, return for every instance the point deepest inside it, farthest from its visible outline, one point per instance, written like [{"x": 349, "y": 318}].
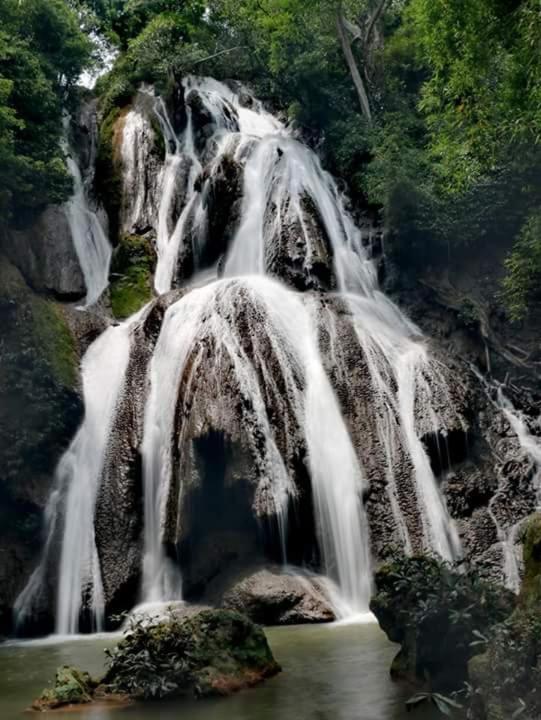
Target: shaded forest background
[{"x": 429, "y": 110}]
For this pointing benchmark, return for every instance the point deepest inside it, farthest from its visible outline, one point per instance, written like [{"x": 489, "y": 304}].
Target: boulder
[
  {"x": 45, "y": 255},
  {"x": 71, "y": 687},
  {"x": 40, "y": 410},
  {"x": 273, "y": 597},
  {"x": 211, "y": 653}
]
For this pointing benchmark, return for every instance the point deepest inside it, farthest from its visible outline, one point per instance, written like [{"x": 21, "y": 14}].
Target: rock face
[
  {"x": 40, "y": 409},
  {"x": 45, "y": 255},
  {"x": 215, "y": 652},
  {"x": 271, "y": 596}
]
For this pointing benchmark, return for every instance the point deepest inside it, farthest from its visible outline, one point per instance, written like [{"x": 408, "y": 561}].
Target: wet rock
[
  {"x": 215, "y": 652},
  {"x": 271, "y": 596},
  {"x": 40, "y": 410},
  {"x": 132, "y": 267},
  {"x": 71, "y": 687},
  {"x": 301, "y": 254},
  {"x": 45, "y": 255}
]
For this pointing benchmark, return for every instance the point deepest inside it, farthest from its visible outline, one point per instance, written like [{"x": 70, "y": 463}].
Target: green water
[{"x": 329, "y": 673}]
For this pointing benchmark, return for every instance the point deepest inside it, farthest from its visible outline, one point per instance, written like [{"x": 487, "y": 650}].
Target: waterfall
[
  {"x": 89, "y": 238},
  {"x": 531, "y": 445},
  {"x": 238, "y": 312},
  {"x": 77, "y": 481}
]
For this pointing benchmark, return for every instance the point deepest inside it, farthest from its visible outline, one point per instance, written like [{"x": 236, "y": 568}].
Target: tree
[
  {"x": 366, "y": 33},
  {"x": 42, "y": 52}
]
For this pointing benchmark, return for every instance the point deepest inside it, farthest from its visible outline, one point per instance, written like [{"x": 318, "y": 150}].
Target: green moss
[
  {"x": 131, "y": 275},
  {"x": 71, "y": 687},
  {"x": 108, "y": 175},
  {"x": 214, "y": 652},
  {"x": 56, "y": 340},
  {"x": 40, "y": 404},
  {"x": 530, "y": 594}
]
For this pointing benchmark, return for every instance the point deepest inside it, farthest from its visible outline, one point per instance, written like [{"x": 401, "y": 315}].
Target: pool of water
[{"x": 329, "y": 673}]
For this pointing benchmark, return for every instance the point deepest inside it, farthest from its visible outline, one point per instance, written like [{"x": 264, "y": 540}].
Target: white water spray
[
  {"x": 279, "y": 176},
  {"x": 89, "y": 239}
]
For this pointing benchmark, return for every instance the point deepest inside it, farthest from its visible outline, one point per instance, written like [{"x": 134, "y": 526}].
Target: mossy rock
[
  {"x": 108, "y": 175},
  {"x": 433, "y": 612},
  {"x": 40, "y": 402},
  {"x": 530, "y": 593},
  {"x": 132, "y": 270},
  {"x": 71, "y": 687},
  {"x": 215, "y": 652}
]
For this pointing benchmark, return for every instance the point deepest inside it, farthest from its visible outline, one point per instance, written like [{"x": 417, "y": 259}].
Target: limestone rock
[
  {"x": 271, "y": 596},
  {"x": 45, "y": 255},
  {"x": 215, "y": 652}
]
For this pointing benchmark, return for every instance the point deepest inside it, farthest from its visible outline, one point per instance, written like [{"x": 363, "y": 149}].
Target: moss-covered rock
[
  {"x": 132, "y": 269},
  {"x": 435, "y": 615},
  {"x": 214, "y": 652},
  {"x": 71, "y": 687},
  {"x": 210, "y": 653},
  {"x": 108, "y": 175},
  {"x": 40, "y": 409},
  {"x": 530, "y": 592}
]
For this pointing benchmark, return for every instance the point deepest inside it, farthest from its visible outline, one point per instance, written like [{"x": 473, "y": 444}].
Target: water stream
[
  {"x": 89, "y": 237},
  {"x": 279, "y": 174}
]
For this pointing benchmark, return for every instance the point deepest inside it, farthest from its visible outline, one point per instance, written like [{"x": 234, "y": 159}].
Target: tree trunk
[{"x": 353, "y": 69}]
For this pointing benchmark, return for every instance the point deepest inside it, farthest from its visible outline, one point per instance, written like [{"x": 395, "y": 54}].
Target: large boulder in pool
[
  {"x": 71, "y": 687},
  {"x": 271, "y": 596},
  {"x": 215, "y": 652}
]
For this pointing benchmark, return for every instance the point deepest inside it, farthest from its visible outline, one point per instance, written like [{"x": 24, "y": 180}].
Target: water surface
[{"x": 338, "y": 672}]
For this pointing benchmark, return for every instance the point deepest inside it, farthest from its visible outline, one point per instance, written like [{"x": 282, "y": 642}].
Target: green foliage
[
  {"x": 443, "y": 704},
  {"x": 509, "y": 673},
  {"x": 162, "y": 40},
  {"x": 208, "y": 653},
  {"x": 438, "y": 616},
  {"x": 42, "y": 52},
  {"x": 524, "y": 269},
  {"x": 71, "y": 687}
]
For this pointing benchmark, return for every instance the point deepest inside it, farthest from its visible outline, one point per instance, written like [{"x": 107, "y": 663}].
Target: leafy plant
[{"x": 444, "y": 704}]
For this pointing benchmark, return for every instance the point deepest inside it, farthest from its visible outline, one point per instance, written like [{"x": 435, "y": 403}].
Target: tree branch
[
  {"x": 373, "y": 20},
  {"x": 352, "y": 65},
  {"x": 222, "y": 52}
]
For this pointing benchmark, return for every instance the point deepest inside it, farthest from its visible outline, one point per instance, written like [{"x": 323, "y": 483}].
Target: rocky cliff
[{"x": 232, "y": 391}]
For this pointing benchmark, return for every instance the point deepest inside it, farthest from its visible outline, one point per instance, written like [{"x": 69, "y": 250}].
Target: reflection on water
[{"x": 329, "y": 673}]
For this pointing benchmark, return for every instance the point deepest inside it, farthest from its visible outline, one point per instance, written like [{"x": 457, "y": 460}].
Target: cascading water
[
  {"x": 89, "y": 238},
  {"x": 77, "y": 481},
  {"x": 269, "y": 336}
]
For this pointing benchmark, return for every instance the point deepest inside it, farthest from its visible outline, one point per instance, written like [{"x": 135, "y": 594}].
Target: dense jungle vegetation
[{"x": 430, "y": 110}]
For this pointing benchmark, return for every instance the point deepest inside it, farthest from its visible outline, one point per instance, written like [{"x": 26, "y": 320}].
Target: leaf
[
  {"x": 416, "y": 700},
  {"x": 518, "y": 712}
]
